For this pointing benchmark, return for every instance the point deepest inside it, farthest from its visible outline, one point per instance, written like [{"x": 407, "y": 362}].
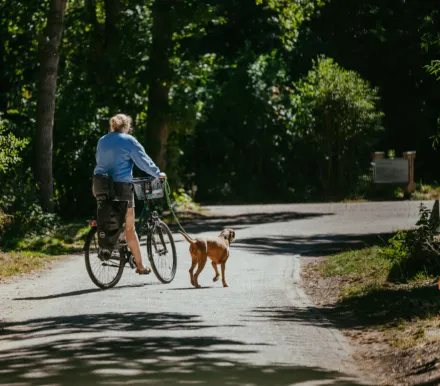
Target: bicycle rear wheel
[
  {"x": 162, "y": 252},
  {"x": 105, "y": 272}
]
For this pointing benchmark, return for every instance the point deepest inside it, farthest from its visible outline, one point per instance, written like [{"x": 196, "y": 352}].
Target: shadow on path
[
  {"x": 117, "y": 360},
  {"x": 82, "y": 292},
  {"x": 374, "y": 309},
  {"x": 241, "y": 221},
  {"x": 313, "y": 246},
  {"x": 61, "y": 325}
]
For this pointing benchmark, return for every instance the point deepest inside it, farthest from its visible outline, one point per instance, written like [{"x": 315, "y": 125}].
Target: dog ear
[{"x": 231, "y": 236}]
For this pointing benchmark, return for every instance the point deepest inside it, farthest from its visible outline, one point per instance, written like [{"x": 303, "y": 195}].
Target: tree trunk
[
  {"x": 105, "y": 43},
  {"x": 98, "y": 60},
  {"x": 160, "y": 81},
  {"x": 113, "y": 15},
  {"x": 49, "y": 58}
]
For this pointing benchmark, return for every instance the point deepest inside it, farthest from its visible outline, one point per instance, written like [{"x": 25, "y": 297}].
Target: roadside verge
[{"x": 395, "y": 326}]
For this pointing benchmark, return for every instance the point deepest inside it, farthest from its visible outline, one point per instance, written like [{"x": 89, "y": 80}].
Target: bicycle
[{"x": 105, "y": 270}]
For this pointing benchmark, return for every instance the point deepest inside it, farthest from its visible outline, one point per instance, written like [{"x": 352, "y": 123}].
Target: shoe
[{"x": 143, "y": 271}]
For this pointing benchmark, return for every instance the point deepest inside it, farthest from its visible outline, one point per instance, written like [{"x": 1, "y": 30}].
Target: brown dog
[{"x": 216, "y": 248}]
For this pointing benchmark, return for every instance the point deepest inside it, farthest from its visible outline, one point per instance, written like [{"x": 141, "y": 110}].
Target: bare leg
[
  {"x": 217, "y": 275},
  {"x": 132, "y": 239}
]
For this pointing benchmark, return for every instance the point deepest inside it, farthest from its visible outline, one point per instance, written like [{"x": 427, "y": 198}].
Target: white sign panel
[{"x": 391, "y": 171}]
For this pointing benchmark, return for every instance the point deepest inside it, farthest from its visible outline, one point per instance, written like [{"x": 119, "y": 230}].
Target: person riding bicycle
[{"x": 116, "y": 153}]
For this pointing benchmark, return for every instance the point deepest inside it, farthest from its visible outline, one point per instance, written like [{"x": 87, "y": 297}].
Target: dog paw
[
  {"x": 225, "y": 285},
  {"x": 215, "y": 278}
]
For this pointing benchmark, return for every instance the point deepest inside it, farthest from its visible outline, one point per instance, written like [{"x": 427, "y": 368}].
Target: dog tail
[{"x": 189, "y": 239}]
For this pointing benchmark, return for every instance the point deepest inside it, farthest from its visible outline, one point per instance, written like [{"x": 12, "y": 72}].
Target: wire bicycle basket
[{"x": 148, "y": 188}]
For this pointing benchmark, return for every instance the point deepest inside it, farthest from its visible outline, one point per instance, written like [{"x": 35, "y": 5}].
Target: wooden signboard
[
  {"x": 395, "y": 170},
  {"x": 391, "y": 171}
]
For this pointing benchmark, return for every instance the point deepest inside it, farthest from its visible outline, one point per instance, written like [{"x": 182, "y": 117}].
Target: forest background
[{"x": 239, "y": 101}]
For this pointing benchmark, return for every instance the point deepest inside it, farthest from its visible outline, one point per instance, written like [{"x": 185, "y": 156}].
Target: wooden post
[
  {"x": 410, "y": 156},
  {"x": 378, "y": 154}
]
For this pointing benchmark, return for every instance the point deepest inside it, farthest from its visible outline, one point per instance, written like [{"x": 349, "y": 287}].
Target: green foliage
[
  {"x": 238, "y": 152},
  {"x": 426, "y": 191},
  {"x": 249, "y": 120},
  {"x": 415, "y": 251},
  {"x": 290, "y": 15},
  {"x": 434, "y": 68},
  {"x": 59, "y": 239},
  {"x": 397, "y": 249},
  {"x": 358, "y": 264},
  {"x": 10, "y": 146},
  {"x": 386, "y": 43},
  {"x": 19, "y": 214},
  {"x": 338, "y": 117},
  {"x": 30, "y": 221},
  {"x": 299, "y": 139},
  {"x": 183, "y": 201}
]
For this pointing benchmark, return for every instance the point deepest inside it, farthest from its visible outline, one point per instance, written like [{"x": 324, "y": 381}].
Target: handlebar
[{"x": 143, "y": 179}]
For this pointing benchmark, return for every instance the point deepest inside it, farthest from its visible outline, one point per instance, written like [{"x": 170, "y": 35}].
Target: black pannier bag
[
  {"x": 111, "y": 223},
  {"x": 110, "y": 214}
]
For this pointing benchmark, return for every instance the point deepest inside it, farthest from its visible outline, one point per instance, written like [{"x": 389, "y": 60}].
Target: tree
[
  {"x": 383, "y": 42},
  {"x": 49, "y": 59},
  {"x": 160, "y": 82},
  {"x": 337, "y": 116}
]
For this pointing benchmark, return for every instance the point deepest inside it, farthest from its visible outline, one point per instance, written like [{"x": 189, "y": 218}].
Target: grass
[
  {"x": 426, "y": 192},
  {"x": 361, "y": 271},
  {"x": 64, "y": 239},
  {"x": 405, "y": 335},
  {"x": 398, "y": 324},
  {"x": 26, "y": 254},
  {"x": 15, "y": 263},
  {"x": 406, "y": 313}
]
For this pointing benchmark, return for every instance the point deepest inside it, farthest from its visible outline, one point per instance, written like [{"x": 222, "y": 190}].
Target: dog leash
[{"x": 168, "y": 197}]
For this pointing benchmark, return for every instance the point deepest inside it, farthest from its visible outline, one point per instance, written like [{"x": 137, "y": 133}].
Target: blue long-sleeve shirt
[{"x": 117, "y": 152}]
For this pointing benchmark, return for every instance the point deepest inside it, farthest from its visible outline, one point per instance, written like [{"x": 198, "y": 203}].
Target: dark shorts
[
  {"x": 124, "y": 191},
  {"x": 121, "y": 191}
]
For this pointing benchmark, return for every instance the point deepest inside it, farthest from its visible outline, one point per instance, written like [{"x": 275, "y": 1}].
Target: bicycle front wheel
[
  {"x": 105, "y": 271},
  {"x": 162, "y": 252}
]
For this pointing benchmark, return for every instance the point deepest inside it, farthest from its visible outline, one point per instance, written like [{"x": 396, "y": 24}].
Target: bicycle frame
[{"x": 140, "y": 226}]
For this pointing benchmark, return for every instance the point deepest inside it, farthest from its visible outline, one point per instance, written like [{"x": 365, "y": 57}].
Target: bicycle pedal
[{"x": 132, "y": 262}]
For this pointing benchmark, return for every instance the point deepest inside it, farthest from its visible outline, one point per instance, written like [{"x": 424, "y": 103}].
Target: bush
[
  {"x": 298, "y": 139},
  {"x": 19, "y": 213},
  {"x": 183, "y": 201},
  {"x": 415, "y": 251},
  {"x": 4, "y": 220},
  {"x": 10, "y": 146},
  {"x": 33, "y": 220},
  {"x": 339, "y": 122}
]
